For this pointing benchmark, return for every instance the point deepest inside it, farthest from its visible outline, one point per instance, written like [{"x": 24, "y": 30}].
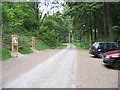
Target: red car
[{"x": 112, "y": 58}]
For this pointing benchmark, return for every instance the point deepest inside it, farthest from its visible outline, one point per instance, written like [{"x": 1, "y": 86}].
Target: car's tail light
[
  {"x": 115, "y": 56},
  {"x": 94, "y": 48}
]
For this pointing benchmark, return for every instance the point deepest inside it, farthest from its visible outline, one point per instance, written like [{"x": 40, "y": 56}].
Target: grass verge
[
  {"x": 24, "y": 46},
  {"x": 63, "y": 45},
  {"x": 83, "y": 45},
  {"x": 5, "y": 54}
]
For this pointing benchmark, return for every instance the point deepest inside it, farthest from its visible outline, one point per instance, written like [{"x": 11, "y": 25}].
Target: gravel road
[
  {"x": 92, "y": 73},
  {"x": 68, "y": 68}
]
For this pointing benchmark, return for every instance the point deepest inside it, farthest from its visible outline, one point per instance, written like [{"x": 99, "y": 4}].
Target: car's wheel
[
  {"x": 116, "y": 65},
  {"x": 100, "y": 55},
  {"x": 95, "y": 56}
]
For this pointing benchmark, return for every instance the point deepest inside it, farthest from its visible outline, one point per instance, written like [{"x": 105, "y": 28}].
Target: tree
[{"x": 109, "y": 22}]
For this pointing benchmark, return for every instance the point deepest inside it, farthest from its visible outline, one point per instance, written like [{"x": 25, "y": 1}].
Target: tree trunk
[
  {"x": 104, "y": 20},
  {"x": 109, "y": 21},
  {"x": 66, "y": 39},
  {"x": 95, "y": 34},
  {"x": 37, "y": 14},
  {"x": 91, "y": 34}
]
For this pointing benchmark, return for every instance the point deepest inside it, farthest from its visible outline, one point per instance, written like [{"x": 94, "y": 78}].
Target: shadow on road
[
  {"x": 95, "y": 57},
  {"x": 108, "y": 67}
]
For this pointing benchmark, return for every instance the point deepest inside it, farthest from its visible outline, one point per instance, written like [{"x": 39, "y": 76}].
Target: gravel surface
[
  {"x": 68, "y": 68},
  {"x": 92, "y": 73},
  {"x": 55, "y": 72},
  {"x": 16, "y": 67}
]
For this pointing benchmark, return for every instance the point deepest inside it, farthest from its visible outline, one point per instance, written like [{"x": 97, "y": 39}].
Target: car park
[
  {"x": 112, "y": 58},
  {"x": 98, "y": 48}
]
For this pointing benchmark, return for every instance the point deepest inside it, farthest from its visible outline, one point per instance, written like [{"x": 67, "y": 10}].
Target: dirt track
[{"x": 68, "y": 68}]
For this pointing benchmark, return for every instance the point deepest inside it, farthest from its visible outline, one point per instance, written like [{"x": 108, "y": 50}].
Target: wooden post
[
  {"x": 17, "y": 48},
  {"x": 12, "y": 48},
  {"x": 33, "y": 42},
  {"x": 12, "y": 44}
]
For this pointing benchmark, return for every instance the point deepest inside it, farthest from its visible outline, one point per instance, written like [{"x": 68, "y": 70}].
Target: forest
[{"x": 80, "y": 23}]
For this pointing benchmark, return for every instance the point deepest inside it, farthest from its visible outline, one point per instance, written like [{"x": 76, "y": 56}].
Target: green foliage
[
  {"x": 5, "y": 54},
  {"x": 116, "y": 30},
  {"x": 24, "y": 49},
  {"x": 39, "y": 45},
  {"x": 85, "y": 20},
  {"x": 92, "y": 20},
  {"x": 23, "y": 19},
  {"x": 82, "y": 45},
  {"x": 77, "y": 44},
  {"x": 24, "y": 44},
  {"x": 53, "y": 30},
  {"x": 85, "y": 45},
  {"x": 63, "y": 45},
  {"x": 19, "y": 15}
]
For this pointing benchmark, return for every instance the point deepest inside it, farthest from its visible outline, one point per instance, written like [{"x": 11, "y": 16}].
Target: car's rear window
[
  {"x": 106, "y": 45},
  {"x": 119, "y": 46},
  {"x": 116, "y": 46},
  {"x": 94, "y": 44},
  {"x": 112, "y": 46},
  {"x": 102, "y": 45}
]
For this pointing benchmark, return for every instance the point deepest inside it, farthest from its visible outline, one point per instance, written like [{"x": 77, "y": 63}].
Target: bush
[
  {"x": 39, "y": 45},
  {"x": 24, "y": 49},
  {"x": 5, "y": 54}
]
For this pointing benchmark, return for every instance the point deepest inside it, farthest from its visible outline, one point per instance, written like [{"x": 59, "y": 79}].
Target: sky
[{"x": 51, "y": 6}]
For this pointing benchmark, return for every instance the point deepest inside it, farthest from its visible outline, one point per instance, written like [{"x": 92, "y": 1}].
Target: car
[
  {"x": 112, "y": 58},
  {"x": 98, "y": 48}
]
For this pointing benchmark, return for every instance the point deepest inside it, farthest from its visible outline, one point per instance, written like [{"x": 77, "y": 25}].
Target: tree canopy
[{"x": 87, "y": 21}]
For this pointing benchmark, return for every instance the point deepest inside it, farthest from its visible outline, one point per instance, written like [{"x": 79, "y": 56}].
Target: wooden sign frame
[{"x": 14, "y": 42}]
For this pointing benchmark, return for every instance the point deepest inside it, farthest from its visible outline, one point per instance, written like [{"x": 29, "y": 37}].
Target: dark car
[
  {"x": 98, "y": 48},
  {"x": 112, "y": 58}
]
